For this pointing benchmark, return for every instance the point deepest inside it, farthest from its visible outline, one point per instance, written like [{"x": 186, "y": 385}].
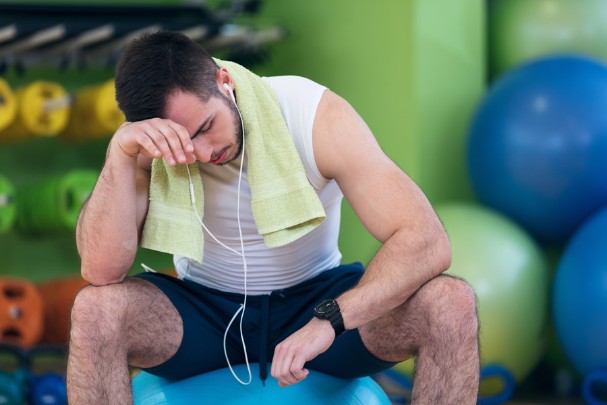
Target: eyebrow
[{"x": 204, "y": 123}]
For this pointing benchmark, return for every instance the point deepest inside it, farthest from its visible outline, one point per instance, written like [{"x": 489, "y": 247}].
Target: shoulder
[
  {"x": 299, "y": 99},
  {"x": 342, "y": 139},
  {"x": 295, "y": 92},
  {"x": 292, "y": 84}
]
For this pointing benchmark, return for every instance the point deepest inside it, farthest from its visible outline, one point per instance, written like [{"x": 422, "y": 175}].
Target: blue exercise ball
[
  {"x": 220, "y": 387},
  {"x": 538, "y": 144},
  {"x": 580, "y": 296}
]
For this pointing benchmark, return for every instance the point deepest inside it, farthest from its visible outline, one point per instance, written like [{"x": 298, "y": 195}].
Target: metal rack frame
[{"x": 93, "y": 35}]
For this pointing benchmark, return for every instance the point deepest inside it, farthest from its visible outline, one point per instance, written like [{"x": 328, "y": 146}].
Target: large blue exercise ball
[
  {"x": 220, "y": 387},
  {"x": 580, "y": 296},
  {"x": 537, "y": 146}
]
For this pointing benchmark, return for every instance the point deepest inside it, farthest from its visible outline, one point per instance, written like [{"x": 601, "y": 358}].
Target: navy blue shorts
[{"x": 268, "y": 320}]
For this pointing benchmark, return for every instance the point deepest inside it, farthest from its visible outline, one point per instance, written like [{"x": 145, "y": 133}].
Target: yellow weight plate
[{"x": 8, "y": 105}]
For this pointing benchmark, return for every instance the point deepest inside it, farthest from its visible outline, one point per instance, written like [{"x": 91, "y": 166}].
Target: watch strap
[
  {"x": 333, "y": 315},
  {"x": 337, "y": 322}
]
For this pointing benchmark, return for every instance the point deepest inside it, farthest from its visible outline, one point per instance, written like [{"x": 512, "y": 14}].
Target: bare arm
[
  {"x": 110, "y": 223},
  {"x": 414, "y": 248},
  {"x": 108, "y": 228}
]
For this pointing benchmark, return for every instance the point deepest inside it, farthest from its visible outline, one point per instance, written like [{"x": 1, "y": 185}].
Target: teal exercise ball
[
  {"x": 580, "y": 296},
  {"x": 220, "y": 387},
  {"x": 509, "y": 274},
  {"x": 520, "y": 30}
]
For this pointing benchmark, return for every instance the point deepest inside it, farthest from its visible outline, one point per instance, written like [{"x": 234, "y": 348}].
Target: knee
[
  {"x": 452, "y": 305},
  {"x": 459, "y": 294},
  {"x": 97, "y": 313}
]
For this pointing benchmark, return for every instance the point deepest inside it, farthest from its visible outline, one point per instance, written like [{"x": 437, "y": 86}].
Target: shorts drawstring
[{"x": 264, "y": 325}]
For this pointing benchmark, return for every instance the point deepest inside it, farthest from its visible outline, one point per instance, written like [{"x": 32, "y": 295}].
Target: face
[{"x": 214, "y": 126}]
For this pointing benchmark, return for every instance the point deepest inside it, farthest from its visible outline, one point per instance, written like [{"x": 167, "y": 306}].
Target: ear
[{"x": 223, "y": 77}]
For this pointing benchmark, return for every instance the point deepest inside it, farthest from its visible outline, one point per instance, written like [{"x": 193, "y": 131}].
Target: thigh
[
  {"x": 204, "y": 315},
  {"x": 154, "y": 326},
  {"x": 133, "y": 317},
  {"x": 400, "y": 334}
]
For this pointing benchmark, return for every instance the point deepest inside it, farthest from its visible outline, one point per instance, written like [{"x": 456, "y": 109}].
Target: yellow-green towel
[{"x": 285, "y": 206}]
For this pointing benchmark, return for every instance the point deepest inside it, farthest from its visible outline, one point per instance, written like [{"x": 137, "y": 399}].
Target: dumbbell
[{"x": 49, "y": 387}]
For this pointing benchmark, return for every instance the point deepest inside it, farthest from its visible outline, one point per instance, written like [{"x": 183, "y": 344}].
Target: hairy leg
[
  {"x": 439, "y": 325},
  {"x": 113, "y": 326}
]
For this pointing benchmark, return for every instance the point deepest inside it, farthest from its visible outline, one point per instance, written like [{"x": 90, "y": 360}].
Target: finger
[
  {"x": 302, "y": 374},
  {"x": 281, "y": 366},
  {"x": 288, "y": 377},
  {"x": 133, "y": 141},
  {"x": 296, "y": 371},
  {"x": 275, "y": 359},
  {"x": 297, "y": 368},
  {"x": 184, "y": 138},
  {"x": 292, "y": 379},
  {"x": 155, "y": 133},
  {"x": 161, "y": 144},
  {"x": 137, "y": 143},
  {"x": 173, "y": 133}
]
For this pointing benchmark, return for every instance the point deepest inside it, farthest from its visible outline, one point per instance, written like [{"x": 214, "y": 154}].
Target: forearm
[
  {"x": 107, "y": 235},
  {"x": 398, "y": 270},
  {"x": 400, "y": 267}
]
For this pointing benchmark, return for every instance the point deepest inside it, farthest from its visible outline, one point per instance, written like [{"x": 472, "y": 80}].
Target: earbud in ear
[{"x": 229, "y": 89}]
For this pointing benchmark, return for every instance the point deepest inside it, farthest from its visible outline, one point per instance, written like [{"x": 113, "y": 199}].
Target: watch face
[{"x": 325, "y": 307}]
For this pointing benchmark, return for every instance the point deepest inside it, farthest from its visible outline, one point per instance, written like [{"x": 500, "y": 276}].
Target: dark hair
[{"x": 154, "y": 65}]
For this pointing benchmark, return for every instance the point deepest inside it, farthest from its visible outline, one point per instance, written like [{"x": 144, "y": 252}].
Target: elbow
[
  {"x": 101, "y": 276},
  {"x": 99, "y": 279},
  {"x": 100, "y": 269},
  {"x": 442, "y": 251}
]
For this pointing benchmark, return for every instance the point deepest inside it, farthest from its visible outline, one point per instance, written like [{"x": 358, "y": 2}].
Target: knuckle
[{"x": 141, "y": 138}]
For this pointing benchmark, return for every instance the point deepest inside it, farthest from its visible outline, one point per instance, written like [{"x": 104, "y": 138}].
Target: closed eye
[
  {"x": 204, "y": 127},
  {"x": 208, "y": 127}
]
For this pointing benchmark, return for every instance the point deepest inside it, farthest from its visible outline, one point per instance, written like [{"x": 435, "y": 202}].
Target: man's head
[
  {"x": 167, "y": 75},
  {"x": 154, "y": 66}
]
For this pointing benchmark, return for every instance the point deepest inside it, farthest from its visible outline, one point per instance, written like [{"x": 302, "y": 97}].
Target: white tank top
[{"x": 268, "y": 269}]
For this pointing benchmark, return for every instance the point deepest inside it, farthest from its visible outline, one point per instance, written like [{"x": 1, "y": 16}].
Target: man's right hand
[{"x": 155, "y": 138}]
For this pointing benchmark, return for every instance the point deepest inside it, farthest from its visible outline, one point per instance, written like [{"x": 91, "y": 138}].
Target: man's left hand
[{"x": 304, "y": 345}]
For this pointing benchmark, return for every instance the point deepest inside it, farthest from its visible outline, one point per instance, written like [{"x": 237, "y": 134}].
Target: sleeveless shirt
[{"x": 268, "y": 269}]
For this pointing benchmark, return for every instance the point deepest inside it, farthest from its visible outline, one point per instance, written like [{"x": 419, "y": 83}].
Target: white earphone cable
[{"x": 243, "y": 306}]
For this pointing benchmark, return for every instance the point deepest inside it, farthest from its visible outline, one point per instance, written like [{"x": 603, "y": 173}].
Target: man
[{"x": 182, "y": 108}]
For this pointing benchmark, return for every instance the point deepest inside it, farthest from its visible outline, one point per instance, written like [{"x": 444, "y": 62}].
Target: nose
[{"x": 203, "y": 152}]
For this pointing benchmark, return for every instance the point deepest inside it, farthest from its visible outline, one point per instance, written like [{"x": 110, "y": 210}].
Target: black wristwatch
[{"x": 329, "y": 310}]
